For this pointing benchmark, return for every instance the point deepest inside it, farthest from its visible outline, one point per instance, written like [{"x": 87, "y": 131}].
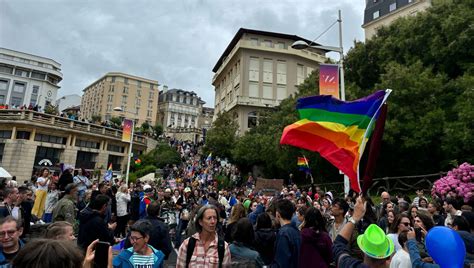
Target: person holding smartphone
[
  {"x": 140, "y": 254},
  {"x": 42, "y": 184}
]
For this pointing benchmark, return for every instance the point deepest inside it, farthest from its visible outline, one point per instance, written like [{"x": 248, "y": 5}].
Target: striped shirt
[
  {"x": 200, "y": 257},
  {"x": 142, "y": 261}
]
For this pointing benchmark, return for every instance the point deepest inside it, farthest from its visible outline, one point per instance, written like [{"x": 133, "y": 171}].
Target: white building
[
  {"x": 68, "y": 101},
  {"x": 28, "y": 79}
]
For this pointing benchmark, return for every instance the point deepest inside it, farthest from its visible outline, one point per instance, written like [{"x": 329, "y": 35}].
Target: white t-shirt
[
  {"x": 401, "y": 259},
  {"x": 45, "y": 187},
  {"x": 394, "y": 238}
]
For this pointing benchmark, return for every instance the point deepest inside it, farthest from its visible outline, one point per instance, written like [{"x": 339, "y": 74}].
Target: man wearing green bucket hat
[{"x": 376, "y": 246}]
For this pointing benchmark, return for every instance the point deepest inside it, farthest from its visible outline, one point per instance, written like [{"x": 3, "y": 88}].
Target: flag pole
[{"x": 311, "y": 175}]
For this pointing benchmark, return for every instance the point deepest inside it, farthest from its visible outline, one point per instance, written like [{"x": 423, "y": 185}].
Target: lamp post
[
  {"x": 119, "y": 109},
  {"x": 300, "y": 44}
]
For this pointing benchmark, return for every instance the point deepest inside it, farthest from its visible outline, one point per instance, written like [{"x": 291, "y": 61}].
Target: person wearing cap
[
  {"x": 376, "y": 246},
  {"x": 184, "y": 205}
]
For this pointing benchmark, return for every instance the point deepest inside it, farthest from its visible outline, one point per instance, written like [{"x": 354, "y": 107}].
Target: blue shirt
[{"x": 287, "y": 247}]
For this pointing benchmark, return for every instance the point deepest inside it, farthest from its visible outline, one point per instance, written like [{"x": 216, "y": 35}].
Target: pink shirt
[{"x": 201, "y": 258}]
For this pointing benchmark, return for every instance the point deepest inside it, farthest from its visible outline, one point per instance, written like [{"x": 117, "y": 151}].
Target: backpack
[{"x": 192, "y": 245}]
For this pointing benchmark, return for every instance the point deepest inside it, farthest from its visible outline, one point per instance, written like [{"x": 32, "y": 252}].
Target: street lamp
[
  {"x": 300, "y": 44},
  {"x": 119, "y": 109}
]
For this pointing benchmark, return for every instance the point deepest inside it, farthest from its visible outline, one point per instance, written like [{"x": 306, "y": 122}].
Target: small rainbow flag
[
  {"x": 303, "y": 164},
  {"x": 108, "y": 174}
]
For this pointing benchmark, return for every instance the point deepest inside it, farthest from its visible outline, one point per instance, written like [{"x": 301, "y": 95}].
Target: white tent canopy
[{"x": 4, "y": 173}]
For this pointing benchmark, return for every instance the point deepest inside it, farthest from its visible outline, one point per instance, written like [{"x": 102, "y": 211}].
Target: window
[
  {"x": 19, "y": 87},
  {"x": 38, "y": 75},
  {"x": 138, "y": 102},
  {"x": 280, "y": 45},
  {"x": 281, "y": 72},
  {"x": 109, "y": 107},
  {"x": 254, "y": 41},
  {"x": 254, "y": 69},
  {"x": 392, "y": 7},
  {"x": 113, "y": 79},
  {"x": 50, "y": 138},
  {"x": 2, "y": 148},
  {"x": 22, "y": 73},
  {"x": 5, "y": 134},
  {"x": 35, "y": 89},
  {"x": 34, "y": 95},
  {"x": 139, "y": 83},
  {"x": 111, "y": 88},
  {"x": 139, "y": 92},
  {"x": 267, "y": 91},
  {"x": 115, "y": 148},
  {"x": 22, "y": 135},
  {"x": 267, "y": 71},
  {"x": 110, "y": 98},
  {"x": 376, "y": 14},
  {"x": 16, "y": 101},
  {"x": 51, "y": 154},
  {"x": 309, "y": 70},
  {"x": 252, "y": 119},
  {"x": 126, "y": 81},
  {"x": 253, "y": 90},
  {"x": 3, "y": 84},
  {"x": 125, "y": 90},
  {"x": 6, "y": 69},
  {"x": 267, "y": 43},
  {"x": 151, "y": 86},
  {"x": 87, "y": 144},
  {"x": 299, "y": 74},
  {"x": 281, "y": 92},
  {"x": 151, "y": 95},
  {"x": 149, "y": 113},
  {"x": 124, "y": 99},
  {"x": 150, "y": 104}
]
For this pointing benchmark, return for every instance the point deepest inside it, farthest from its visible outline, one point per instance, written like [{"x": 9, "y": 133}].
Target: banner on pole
[
  {"x": 329, "y": 80},
  {"x": 127, "y": 130}
]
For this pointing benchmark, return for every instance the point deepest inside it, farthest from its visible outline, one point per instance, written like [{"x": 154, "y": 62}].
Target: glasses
[
  {"x": 10, "y": 233},
  {"x": 134, "y": 238},
  {"x": 405, "y": 223}
]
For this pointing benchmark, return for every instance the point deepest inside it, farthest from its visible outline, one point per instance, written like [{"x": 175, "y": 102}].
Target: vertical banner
[
  {"x": 127, "y": 130},
  {"x": 329, "y": 80}
]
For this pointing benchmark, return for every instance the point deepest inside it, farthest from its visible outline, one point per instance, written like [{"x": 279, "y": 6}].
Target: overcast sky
[{"x": 175, "y": 42}]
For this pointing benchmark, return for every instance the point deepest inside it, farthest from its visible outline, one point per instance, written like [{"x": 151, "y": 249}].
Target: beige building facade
[
  {"x": 27, "y": 79},
  {"x": 257, "y": 71},
  {"x": 179, "y": 112},
  {"x": 379, "y": 13},
  {"x": 31, "y": 140},
  {"x": 137, "y": 96}
]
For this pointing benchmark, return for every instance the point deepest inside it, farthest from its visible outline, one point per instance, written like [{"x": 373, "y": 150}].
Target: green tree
[
  {"x": 96, "y": 118},
  {"x": 222, "y": 136},
  {"x": 116, "y": 122},
  {"x": 157, "y": 131},
  {"x": 145, "y": 128}
]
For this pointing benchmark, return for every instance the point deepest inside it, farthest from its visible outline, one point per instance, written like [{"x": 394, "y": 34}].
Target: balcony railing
[{"x": 64, "y": 123}]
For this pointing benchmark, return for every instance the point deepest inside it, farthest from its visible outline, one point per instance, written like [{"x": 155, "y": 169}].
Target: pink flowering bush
[{"x": 460, "y": 180}]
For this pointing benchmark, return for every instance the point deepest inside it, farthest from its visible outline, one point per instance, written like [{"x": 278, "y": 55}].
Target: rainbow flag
[
  {"x": 303, "y": 164},
  {"x": 338, "y": 130},
  {"x": 108, "y": 174}
]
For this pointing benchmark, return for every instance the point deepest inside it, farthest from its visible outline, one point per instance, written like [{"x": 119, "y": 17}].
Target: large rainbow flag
[{"x": 338, "y": 130}]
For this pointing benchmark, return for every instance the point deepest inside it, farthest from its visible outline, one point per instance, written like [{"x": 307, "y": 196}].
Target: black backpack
[{"x": 192, "y": 245}]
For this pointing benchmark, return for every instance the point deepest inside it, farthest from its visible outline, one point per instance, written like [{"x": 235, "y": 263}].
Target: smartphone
[
  {"x": 101, "y": 258},
  {"x": 418, "y": 234}
]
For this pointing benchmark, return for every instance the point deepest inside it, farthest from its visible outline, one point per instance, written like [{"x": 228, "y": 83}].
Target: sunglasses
[{"x": 405, "y": 223}]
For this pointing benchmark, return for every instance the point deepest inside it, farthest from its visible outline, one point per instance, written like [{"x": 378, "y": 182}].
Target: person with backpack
[{"x": 204, "y": 248}]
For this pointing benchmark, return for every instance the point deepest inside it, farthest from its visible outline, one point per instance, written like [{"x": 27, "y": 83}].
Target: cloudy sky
[{"x": 175, "y": 42}]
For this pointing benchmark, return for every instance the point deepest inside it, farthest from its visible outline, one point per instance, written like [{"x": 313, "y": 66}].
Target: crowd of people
[{"x": 211, "y": 226}]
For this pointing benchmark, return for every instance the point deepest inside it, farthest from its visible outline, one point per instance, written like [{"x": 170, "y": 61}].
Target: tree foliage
[
  {"x": 159, "y": 157},
  {"x": 222, "y": 136},
  {"x": 427, "y": 60}
]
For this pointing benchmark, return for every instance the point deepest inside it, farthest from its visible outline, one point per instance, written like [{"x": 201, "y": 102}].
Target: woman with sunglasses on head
[{"x": 401, "y": 223}]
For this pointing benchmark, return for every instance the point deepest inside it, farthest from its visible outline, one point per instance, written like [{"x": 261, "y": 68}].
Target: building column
[{"x": 33, "y": 134}]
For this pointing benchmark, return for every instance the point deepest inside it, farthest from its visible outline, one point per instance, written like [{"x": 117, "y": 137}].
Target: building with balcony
[
  {"x": 257, "y": 71},
  {"x": 380, "y": 13},
  {"x": 27, "y": 79},
  {"x": 31, "y": 140},
  {"x": 178, "y": 113},
  {"x": 137, "y": 96}
]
